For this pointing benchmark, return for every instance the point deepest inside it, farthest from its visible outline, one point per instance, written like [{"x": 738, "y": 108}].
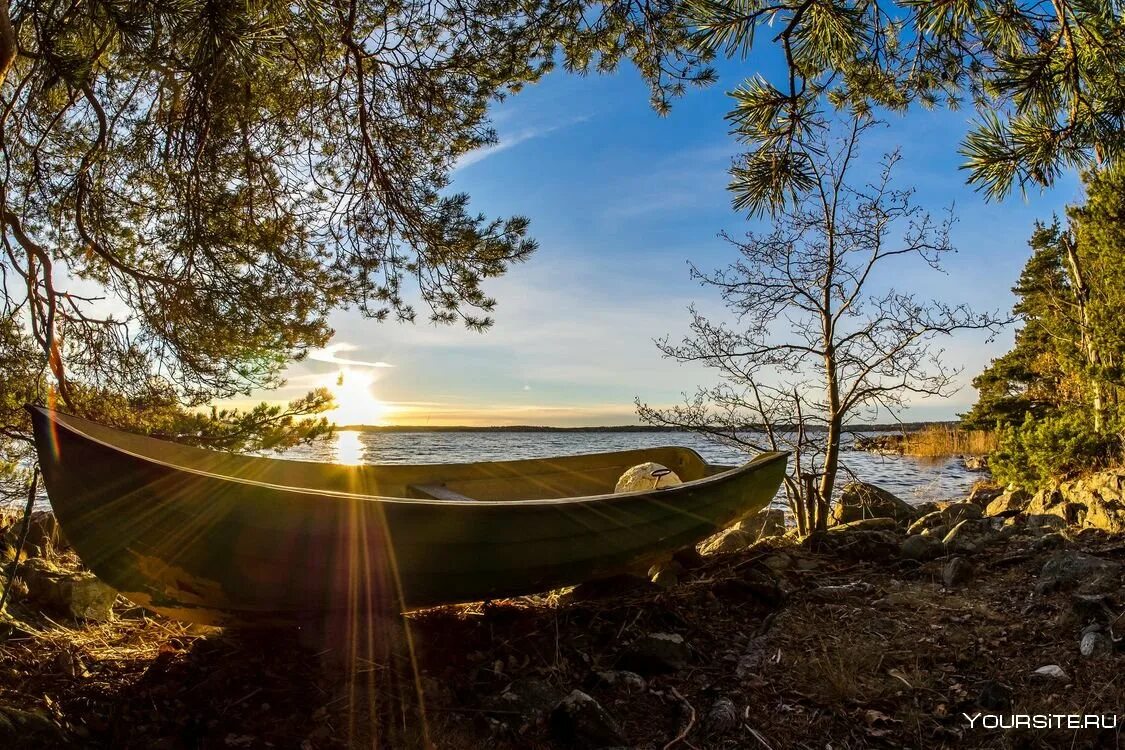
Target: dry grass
[{"x": 937, "y": 441}]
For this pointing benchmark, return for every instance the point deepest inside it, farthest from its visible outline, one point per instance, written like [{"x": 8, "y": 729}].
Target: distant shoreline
[{"x": 901, "y": 427}]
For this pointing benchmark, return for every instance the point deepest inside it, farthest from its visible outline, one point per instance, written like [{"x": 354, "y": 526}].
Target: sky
[{"x": 620, "y": 199}]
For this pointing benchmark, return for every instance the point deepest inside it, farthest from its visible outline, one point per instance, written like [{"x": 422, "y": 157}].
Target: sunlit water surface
[{"x": 914, "y": 480}]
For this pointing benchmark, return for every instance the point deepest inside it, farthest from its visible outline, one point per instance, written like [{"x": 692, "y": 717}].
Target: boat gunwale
[{"x": 756, "y": 462}]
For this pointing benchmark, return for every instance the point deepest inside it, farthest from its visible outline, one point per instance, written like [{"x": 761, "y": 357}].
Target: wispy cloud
[
  {"x": 330, "y": 354},
  {"x": 509, "y": 141}
]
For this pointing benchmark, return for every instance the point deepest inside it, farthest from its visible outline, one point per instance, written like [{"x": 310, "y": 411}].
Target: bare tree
[{"x": 814, "y": 345}]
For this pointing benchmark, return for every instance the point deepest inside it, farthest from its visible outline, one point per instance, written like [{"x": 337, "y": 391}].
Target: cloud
[
  {"x": 527, "y": 134},
  {"x": 330, "y": 354}
]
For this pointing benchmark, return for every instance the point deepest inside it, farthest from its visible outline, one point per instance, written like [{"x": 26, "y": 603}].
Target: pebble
[
  {"x": 1051, "y": 671},
  {"x": 1095, "y": 645}
]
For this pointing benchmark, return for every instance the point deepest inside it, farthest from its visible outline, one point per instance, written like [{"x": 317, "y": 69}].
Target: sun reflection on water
[{"x": 349, "y": 448}]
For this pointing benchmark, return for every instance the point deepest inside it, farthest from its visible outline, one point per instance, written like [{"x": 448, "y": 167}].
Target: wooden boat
[{"x": 214, "y": 537}]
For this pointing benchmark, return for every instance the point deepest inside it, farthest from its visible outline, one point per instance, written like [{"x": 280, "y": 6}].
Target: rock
[
  {"x": 921, "y": 548},
  {"x": 975, "y": 463},
  {"x": 1091, "y": 608},
  {"x": 531, "y": 698},
  {"x": 859, "y": 500},
  {"x": 842, "y": 591},
  {"x": 581, "y": 720},
  {"x": 722, "y": 717},
  {"x": 984, "y": 493},
  {"x": 647, "y": 476},
  {"x": 1051, "y": 672},
  {"x": 778, "y": 562},
  {"x": 955, "y": 513},
  {"x": 728, "y": 540},
  {"x": 1053, "y": 540},
  {"x": 865, "y": 524},
  {"x": 764, "y": 524},
  {"x": 956, "y": 572},
  {"x": 666, "y": 574},
  {"x": 947, "y": 517},
  {"x": 969, "y": 536},
  {"x": 688, "y": 557},
  {"x": 1008, "y": 503},
  {"x": 1068, "y": 569},
  {"x": 1095, "y": 645},
  {"x": 993, "y": 696},
  {"x": 937, "y": 532},
  {"x": 77, "y": 595},
  {"x": 631, "y": 682},
  {"x": 1039, "y": 524},
  {"x": 856, "y": 545},
  {"x": 758, "y": 585},
  {"x": 25, "y": 730},
  {"x": 655, "y": 653},
  {"x": 600, "y": 588},
  {"x": 924, "y": 509}
]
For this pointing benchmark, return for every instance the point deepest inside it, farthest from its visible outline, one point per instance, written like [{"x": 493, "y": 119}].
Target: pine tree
[{"x": 1044, "y": 77}]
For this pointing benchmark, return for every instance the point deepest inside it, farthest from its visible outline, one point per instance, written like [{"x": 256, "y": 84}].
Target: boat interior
[{"x": 524, "y": 479}]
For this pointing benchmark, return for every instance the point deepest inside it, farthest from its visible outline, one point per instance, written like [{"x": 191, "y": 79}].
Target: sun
[{"x": 355, "y": 403}]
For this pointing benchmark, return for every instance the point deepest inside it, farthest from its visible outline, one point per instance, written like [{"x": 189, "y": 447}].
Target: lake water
[{"x": 914, "y": 480}]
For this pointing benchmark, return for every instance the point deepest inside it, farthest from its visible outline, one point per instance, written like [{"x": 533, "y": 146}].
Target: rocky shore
[{"x": 884, "y": 631}]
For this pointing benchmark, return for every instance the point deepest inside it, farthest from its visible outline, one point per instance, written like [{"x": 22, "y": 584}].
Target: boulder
[
  {"x": 955, "y": 513},
  {"x": 921, "y": 547},
  {"x": 859, "y": 500},
  {"x": 24, "y": 730},
  {"x": 1009, "y": 503},
  {"x": 956, "y": 572},
  {"x": 856, "y": 544},
  {"x": 77, "y": 595},
  {"x": 984, "y": 493},
  {"x": 580, "y": 720},
  {"x": 646, "y": 476},
  {"x": 969, "y": 536},
  {"x": 924, "y": 509},
  {"x": 1038, "y": 525},
  {"x": 865, "y": 524},
  {"x": 1068, "y": 569},
  {"x": 975, "y": 463},
  {"x": 766, "y": 523},
  {"x": 728, "y": 540}
]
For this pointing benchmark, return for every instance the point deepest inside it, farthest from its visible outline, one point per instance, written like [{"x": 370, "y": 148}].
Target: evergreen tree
[
  {"x": 1031, "y": 378},
  {"x": 1056, "y": 394},
  {"x": 1045, "y": 79}
]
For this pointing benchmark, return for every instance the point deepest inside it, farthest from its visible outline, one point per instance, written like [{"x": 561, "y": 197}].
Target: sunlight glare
[{"x": 355, "y": 403}]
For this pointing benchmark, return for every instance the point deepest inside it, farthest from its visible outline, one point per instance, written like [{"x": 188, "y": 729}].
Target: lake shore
[{"x": 880, "y": 632}]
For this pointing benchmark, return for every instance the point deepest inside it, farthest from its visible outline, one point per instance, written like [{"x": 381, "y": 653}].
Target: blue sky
[{"x": 619, "y": 200}]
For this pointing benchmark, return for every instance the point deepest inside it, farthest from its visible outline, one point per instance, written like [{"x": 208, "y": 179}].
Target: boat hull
[{"x": 202, "y": 546}]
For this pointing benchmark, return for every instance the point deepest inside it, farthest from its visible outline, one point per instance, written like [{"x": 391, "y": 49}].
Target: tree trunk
[
  {"x": 1089, "y": 348},
  {"x": 797, "y": 505},
  {"x": 7, "y": 42}
]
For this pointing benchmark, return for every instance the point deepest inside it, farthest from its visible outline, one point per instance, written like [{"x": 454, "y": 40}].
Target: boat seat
[{"x": 437, "y": 492}]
